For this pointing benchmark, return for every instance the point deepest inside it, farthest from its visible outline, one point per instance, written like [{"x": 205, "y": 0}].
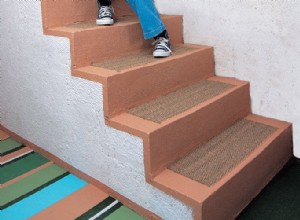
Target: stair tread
[
  {"x": 140, "y": 126},
  {"x": 179, "y": 101},
  {"x": 90, "y": 25},
  {"x": 189, "y": 178},
  {"x": 139, "y": 59},
  {"x": 211, "y": 161},
  {"x": 99, "y": 71}
]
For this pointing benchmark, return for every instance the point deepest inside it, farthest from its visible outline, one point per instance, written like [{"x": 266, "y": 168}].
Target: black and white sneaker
[
  {"x": 105, "y": 16},
  {"x": 162, "y": 47}
]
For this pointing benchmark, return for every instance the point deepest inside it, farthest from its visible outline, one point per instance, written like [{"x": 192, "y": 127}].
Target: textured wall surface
[
  {"x": 254, "y": 40},
  {"x": 40, "y": 101}
]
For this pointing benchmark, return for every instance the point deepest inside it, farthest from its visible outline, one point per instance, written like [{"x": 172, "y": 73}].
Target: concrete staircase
[{"x": 202, "y": 145}]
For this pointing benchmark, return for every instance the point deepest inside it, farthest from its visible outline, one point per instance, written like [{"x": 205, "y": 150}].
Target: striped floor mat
[{"x": 33, "y": 187}]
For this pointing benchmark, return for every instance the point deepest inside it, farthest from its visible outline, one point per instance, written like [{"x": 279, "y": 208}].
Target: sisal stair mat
[
  {"x": 138, "y": 59},
  {"x": 179, "y": 101},
  {"x": 92, "y": 24},
  {"x": 211, "y": 161}
]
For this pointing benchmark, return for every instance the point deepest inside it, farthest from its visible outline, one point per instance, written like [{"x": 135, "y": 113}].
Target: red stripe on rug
[
  {"x": 74, "y": 205},
  {"x": 3, "y": 135},
  {"x": 26, "y": 174},
  {"x": 15, "y": 154}
]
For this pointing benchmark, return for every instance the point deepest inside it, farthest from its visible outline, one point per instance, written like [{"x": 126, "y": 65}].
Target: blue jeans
[{"x": 149, "y": 18}]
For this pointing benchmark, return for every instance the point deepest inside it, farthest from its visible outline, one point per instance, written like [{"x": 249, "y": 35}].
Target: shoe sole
[
  {"x": 104, "y": 21},
  {"x": 161, "y": 54}
]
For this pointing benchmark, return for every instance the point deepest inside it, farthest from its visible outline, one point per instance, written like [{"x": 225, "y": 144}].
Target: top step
[
  {"x": 91, "y": 43},
  {"x": 65, "y": 12}
]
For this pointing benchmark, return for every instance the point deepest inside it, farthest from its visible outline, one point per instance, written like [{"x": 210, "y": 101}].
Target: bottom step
[
  {"x": 221, "y": 177},
  {"x": 211, "y": 161}
]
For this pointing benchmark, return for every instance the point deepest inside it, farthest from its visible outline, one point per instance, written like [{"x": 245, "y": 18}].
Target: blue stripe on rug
[{"x": 42, "y": 199}]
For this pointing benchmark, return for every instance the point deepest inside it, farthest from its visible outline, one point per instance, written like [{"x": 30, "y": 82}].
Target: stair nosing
[
  {"x": 200, "y": 105},
  {"x": 191, "y": 198}
]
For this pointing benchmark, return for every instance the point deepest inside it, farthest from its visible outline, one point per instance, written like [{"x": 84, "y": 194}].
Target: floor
[
  {"x": 280, "y": 199},
  {"x": 32, "y": 187}
]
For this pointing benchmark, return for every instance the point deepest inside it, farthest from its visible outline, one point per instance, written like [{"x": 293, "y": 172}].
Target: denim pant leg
[{"x": 149, "y": 18}]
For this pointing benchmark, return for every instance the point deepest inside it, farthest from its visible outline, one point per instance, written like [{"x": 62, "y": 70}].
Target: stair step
[
  {"x": 122, "y": 65},
  {"x": 179, "y": 101},
  {"x": 139, "y": 59},
  {"x": 137, "y": 78},
  {"x": 230, "y": 169},
  {"x": 120, "y": 21},
  {"x": 91, "y": 25},
  {"x": 192, "y": 95},
  {"x": 125, "y": 37},
  {"x": 211, "y": 161},
  {"x": 178, "y": 133},
  {"x": 64, "y": 12}
]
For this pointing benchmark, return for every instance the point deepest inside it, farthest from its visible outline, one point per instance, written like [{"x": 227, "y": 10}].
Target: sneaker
[
  {"x": 105, "y": 16},
  {"x": 162, "y": 47}
]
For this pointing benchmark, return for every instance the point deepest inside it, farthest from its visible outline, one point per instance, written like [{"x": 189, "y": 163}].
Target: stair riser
[
  {"x": 234, "y": 195},
  {"x": 140, "y": 85},
  {"x": 177, "y": 139},
  {"x": 63, "y": 12},
  {"x": 86, "y": 46}
]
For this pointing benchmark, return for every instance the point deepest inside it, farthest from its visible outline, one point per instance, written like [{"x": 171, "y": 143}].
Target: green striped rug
[{"x": 32, "y": 187}]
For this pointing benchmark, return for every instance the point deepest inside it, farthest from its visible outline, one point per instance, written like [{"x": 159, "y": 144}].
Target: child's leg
[
  {"x": 104, "y": 2},
  {"x": 152, "y": 26},
  {"x": 149, "y": 18}
]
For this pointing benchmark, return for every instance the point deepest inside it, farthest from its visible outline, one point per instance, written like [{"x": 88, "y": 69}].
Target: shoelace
[
  {"x": 106, "y": 11},
  {"x": 162, "y": 43}
]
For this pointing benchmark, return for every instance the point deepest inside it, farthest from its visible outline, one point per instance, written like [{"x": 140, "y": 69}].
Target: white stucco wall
[
  {"x": 40, "y": 101},
  {"x": 254, "y": 40}
]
